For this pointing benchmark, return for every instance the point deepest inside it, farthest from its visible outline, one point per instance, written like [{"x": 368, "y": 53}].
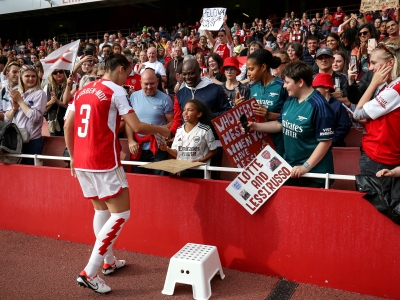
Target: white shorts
[{"x": 102, "y": 185}]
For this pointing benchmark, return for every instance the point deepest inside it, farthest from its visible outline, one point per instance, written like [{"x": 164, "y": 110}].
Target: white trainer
[
  {"x": 96, "y": 283},
  {"x": 110, "y": 268}
]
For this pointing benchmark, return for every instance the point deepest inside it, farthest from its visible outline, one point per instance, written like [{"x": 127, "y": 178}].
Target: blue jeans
[
  {"x": 148, "y": 156},
  {"x": 32, "y": 147},
  {"x": 369, "y": 167},
  {"x": 325, "y": 32}
]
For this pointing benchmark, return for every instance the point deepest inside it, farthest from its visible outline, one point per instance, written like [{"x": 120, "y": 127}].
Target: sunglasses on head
[{"x": 58, "y": 72}]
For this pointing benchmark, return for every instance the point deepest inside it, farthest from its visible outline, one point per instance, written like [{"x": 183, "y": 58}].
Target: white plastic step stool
[{"x": 196, "y": 265}]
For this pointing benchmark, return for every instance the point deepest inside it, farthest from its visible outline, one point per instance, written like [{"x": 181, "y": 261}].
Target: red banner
[{"x": 240, "y": 147}]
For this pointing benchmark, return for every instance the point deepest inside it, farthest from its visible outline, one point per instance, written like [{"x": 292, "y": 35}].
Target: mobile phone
[
  {"x": 371, "y": 45},
  {"x": 353, "y": 61},
  {"x": 244, "y": 122}
]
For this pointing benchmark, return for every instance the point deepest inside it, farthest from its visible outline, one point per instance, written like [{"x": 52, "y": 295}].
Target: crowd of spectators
[{"x": 188, "y": 63}]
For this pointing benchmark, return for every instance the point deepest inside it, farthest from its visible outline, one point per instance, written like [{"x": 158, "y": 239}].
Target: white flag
[{"x": 60, "y": 59}]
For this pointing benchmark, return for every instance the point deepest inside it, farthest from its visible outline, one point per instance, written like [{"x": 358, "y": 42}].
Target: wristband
[{"x": 307, "y": 166}]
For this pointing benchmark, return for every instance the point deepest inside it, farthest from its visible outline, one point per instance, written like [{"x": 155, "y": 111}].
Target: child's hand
[
  {"x": 238, "y": 98},
  {"x": 163, "y": 147},
  {"x": 385, "y": 172}
]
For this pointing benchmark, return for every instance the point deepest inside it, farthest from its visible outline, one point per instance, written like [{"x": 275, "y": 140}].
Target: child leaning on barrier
[{"x": 194, "y": 140}]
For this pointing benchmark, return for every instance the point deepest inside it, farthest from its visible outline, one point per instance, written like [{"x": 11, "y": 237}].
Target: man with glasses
[
  {"x": 297, "y": 35},
  {"x": 106, "y": 41}
]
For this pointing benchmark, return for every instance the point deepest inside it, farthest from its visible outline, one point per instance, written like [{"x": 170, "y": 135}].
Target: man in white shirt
[
  {"x": 154, "y": 64},
  {"x": 106, "y": 40}
]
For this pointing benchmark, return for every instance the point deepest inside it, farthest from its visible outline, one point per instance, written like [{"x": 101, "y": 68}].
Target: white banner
[
  {"x": 260, "y": 180},
  {"x": 60, "y": 59},
  {"x": 213, "y": 18}
]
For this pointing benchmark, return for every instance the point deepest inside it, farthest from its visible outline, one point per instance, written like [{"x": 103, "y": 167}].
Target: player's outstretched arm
[{"x": 143, "y": 128}]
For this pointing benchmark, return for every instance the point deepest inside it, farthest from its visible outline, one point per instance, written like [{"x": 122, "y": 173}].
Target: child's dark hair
[
  {"x": 206, "y": 115},
  {"x": 299, "y": 70},
  {"x": 263, "y": 56},
  {"x": 115, "y": 61}
]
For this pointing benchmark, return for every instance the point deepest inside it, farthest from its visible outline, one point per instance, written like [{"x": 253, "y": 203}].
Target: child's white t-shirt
[{"x": 194, "y": 144}]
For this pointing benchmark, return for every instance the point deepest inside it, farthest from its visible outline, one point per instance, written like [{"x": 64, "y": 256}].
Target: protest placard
[
  {"x": 241, "y": 148},
  {"x": 172, "y": 165},
  {"x": 212, "y": 18},
  {"x": 374, "y": 5},
  {"x": 260, "y": 180}
]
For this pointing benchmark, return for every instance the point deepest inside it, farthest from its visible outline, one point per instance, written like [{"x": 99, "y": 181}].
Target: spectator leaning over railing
[
  {"x": 153, "y": 107},
  {"x": 307, "y": 123},
  {"x": 26, "y": 110},
  {"x": 380, "y": 147}
]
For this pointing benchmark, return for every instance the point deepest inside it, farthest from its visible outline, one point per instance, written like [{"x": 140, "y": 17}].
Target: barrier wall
[
  {"x": 345, "y": 160},
  {"x": 324, "y": 237}
]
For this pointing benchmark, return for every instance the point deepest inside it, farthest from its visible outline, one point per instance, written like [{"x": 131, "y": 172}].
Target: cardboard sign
[
  {"x": 213, "y": 18},
  {"x": 260, "y": 180},
  {"x": 241, "y": 148},
  {"x": 172, "y": 165},
  {"x": 374, "y": 5}
]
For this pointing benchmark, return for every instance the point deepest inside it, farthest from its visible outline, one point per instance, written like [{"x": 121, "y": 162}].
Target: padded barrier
[{"x": 325, "y": 237}]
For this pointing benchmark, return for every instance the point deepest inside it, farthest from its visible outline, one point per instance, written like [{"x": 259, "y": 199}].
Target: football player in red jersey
[{"x": 91, "y": 134}]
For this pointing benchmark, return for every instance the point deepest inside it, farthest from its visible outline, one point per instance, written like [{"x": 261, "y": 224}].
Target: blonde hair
[
  {"x": 21, "y": 86},
  {"x": 391, "y": 49},
  {"x": 53, "y": 84}
]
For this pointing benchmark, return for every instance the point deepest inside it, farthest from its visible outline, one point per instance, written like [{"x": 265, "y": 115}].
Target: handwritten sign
[
  {"x": 172, "y": 165},
  {"x": 213, "y": 18},
  {"x": 374, "y": 5},
  {"x": 241, "y": 148},
  {"x": 260, "y": 180}
]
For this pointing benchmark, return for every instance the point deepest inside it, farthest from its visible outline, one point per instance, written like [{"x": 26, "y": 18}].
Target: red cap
[
  {"x": 324, "y": 80},
  {"x": 230, "y": 62}
]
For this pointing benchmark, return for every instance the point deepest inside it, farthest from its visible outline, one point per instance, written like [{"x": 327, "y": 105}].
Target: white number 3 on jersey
[{"x": 85, "y": 111}]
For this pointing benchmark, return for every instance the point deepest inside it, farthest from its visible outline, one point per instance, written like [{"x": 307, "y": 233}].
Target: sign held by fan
[
  {"x": 375, "y": 5},
  {"x": 213, "y": 18}
]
